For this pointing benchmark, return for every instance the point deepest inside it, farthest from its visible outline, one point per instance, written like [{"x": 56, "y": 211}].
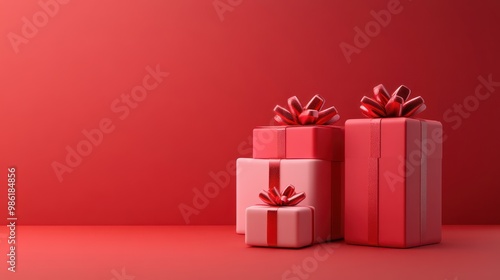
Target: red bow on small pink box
[
  {"x": 287, "y": 198},
  {"x": 311, "y": 114},
  {"x": 387, "y": 106}
]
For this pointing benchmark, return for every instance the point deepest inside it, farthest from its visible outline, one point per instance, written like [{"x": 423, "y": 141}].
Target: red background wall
[{"x": 225, "y": 78}]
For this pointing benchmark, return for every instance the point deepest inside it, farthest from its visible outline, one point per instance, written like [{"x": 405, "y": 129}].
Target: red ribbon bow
[
  {"x": 386, "y": 106},
  {"x": 287, "y": 198},
  {"x": 311, "y": 114}
]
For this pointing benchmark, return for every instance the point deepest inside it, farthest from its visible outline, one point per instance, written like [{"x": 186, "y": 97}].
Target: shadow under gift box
[
  {"x": 393, "y": 182},
  {"x": 321, "y": 180},
  {"x": 284, "y": 226}
]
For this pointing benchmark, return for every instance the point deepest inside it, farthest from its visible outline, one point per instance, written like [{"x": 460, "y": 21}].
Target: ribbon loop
[
  {"x": 295, "y": 107},
  {"x": 311, "y": 114},
  {"x": 391, "y": 106},
  {"x": 381, "y": 94},
  {"x": 283, "y": 115},
  {"x": 414, "y": 106},
  {"x": 316, "y": 103},
  {"x": 286, "y": 198}
]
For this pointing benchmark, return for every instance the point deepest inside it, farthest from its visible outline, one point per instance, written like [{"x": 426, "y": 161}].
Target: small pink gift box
[{"x": 284, "y": 226}]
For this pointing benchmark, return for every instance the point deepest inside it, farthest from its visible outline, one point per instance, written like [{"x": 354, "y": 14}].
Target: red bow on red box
[
  {"x": 311, "y": 114},
  {"x": 287, "y": 198},
  {"x": 387, "y": 106}
]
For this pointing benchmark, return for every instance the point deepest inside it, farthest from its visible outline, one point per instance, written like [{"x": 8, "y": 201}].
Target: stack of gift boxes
[
  {"x": 304, "y": 186},
  {"x": 308, "y": 153}
]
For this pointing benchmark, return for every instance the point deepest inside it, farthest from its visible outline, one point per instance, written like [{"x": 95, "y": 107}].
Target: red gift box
[
  {"x": 306, "y": 133},
  {"x": 271, "y": 226},
  {"x": 301, "y": 142},
  {"x": 393, "y": 182}
]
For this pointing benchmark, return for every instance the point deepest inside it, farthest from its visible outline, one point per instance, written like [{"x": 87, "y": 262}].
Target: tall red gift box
[{"x": 393, "y": 182}]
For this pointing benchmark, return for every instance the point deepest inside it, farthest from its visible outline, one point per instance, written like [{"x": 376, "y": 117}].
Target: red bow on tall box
[
  {"x": 392, "y": 173},
  {"x": 281, "y": 224},
  {"x": 304, "y": 132}
]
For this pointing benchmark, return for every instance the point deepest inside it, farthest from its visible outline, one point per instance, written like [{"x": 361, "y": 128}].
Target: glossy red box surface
[
  {"x": 393, "y": 182},
  {"x": 301, "y": 142}
]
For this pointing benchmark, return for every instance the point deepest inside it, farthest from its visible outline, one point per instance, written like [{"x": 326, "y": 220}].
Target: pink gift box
[
  {"x": 393, "y": 182},
  {"x": 285, "y": 226},
  {"x": 321, "y": 180},
  {"x": 300, "y": 142}
]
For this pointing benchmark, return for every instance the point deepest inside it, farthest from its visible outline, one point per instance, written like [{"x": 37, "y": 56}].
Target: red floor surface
[{"x": 216, "y": 252}]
